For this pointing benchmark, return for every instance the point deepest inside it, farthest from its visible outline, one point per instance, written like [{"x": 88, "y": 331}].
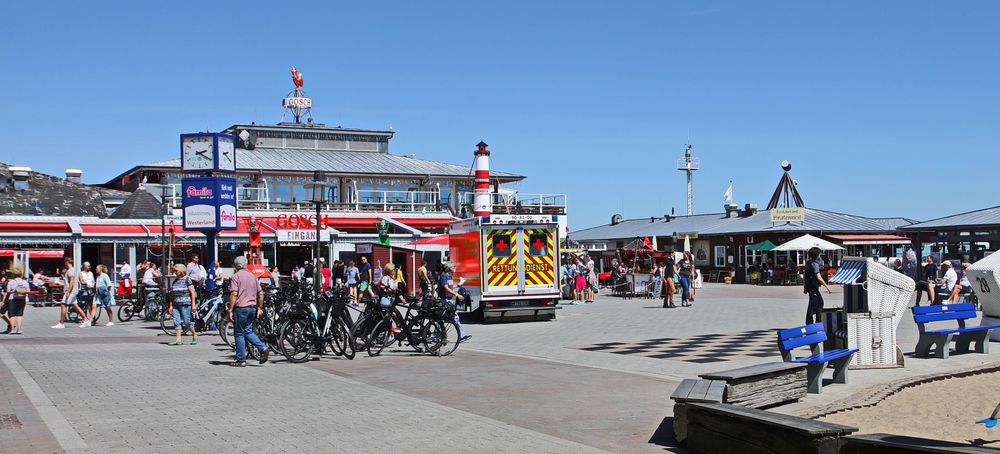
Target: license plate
[{"x": 520, "y": 303}]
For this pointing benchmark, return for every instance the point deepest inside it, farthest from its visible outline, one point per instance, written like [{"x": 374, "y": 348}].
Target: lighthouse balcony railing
[
  {"x": 519, "y": 203},
  {"x": 683, "y": 164}
]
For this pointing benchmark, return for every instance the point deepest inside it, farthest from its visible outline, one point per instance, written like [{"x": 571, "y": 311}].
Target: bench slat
[
  {"x": 716, "y": 391},
  {"x": 827, "y": 356},
  {"x": 792, "y": 344},
  {"x": 694, "y": 390},
  {"x": 943, "y": 316},
  {"x": 683, "y": 389},
  {"x": 937, "y": 308},
  {"x": 700, "y": 389},
  {"x": 799, "y": 331}
]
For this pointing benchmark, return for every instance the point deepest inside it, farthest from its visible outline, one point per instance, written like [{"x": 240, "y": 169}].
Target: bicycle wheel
[
  {"x": 167, "y": 323},
  {"x": 358, "y": 336},
  {"x": 296, "y": 342},
  {"x": 126, "y": 311},
  {"x": 226, "y": 331},
  {"x": 97, "y": 315},
  {"x": 337, "y": 338},
  {"x": 441, "y": 337},
  {"x": 380, "y": 337},
  {"x": 415, "y": 332},
  {"x": 345, "y": 333}
]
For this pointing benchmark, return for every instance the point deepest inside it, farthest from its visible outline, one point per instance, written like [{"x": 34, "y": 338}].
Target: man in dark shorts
[
  {"x": 813, "y": 279},
  {"x": 927, "y": 285}
]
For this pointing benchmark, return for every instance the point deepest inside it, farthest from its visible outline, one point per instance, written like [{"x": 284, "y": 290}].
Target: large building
[{"x": 134, "y": 214}]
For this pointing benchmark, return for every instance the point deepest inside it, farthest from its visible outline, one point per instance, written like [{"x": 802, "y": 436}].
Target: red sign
[{"x": 299, "y": 221}]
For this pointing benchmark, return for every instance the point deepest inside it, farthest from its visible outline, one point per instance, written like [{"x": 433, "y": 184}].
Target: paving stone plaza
[{"x": 516, "y": 387}]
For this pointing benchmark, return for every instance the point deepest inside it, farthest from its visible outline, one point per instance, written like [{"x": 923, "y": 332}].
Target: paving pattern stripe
[
  {"x": 61, "y": 429},
  {"x": 460, "y": 415}
]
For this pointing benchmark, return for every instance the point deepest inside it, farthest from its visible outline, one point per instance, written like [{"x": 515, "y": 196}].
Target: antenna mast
[{"x": 688, "y": 164}]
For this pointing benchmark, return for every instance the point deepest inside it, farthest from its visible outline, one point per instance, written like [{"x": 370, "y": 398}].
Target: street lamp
[
  {"x": 165, "y": 191},
  {"x": 318, "y": 187}
]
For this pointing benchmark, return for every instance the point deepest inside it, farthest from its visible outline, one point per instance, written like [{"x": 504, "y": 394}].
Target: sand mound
[{"x": 944, "y": 410}]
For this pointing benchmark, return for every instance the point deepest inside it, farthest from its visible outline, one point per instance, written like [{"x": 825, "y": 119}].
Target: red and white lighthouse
[{"x": 482, "y": 203}]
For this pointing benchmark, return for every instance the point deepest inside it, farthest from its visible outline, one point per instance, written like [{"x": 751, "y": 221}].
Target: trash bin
[{"x": 875, "y": 300}]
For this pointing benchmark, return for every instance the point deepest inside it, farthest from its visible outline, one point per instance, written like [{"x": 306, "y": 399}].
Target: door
[
  {"x": 21, "y": 258},
  {"x": 539, "y": 259},
  {"x": 503, "y": 261}
]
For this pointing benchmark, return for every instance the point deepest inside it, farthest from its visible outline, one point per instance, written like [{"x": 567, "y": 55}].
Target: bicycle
[
  {"x": 205, "y": 314},
  {"x": 393, "y": 327},
  {"x": 309, "y": 331},
  {"x": 149, "y": 306},
  {"x": 84, "y": 299}
]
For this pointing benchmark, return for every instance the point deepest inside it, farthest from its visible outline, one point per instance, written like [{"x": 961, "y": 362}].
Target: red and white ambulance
[{"x": 510, "y": 264}]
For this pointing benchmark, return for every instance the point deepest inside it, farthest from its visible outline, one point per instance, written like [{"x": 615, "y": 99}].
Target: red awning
[
  {"x": 34, "y": 227},
  {"x": 440, "y": 240},
  {"x": 114, "y": 229},
  {"x": 849, "y": 240},
  {"x": 36, "y": 254}
]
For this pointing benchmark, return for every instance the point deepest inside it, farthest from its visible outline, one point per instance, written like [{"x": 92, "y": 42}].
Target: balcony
[
  {"x": 518, "y": 203},
  {"x": 359, "y": 200}
]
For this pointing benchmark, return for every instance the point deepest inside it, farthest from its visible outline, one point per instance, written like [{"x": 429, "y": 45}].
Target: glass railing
[{"x": 520, "y": 203}]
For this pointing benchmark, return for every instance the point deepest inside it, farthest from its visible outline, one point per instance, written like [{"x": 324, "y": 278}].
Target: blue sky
[{"x": 884, "y": 108}]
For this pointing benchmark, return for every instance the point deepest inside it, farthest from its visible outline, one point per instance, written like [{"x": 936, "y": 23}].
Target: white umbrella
[
  {"x": 806, "y": 242},
  {"x": 687, "y": 243}
]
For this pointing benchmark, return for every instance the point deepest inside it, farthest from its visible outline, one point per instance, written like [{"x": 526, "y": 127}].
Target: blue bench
[
  {"x": 813, "y": 335},
  {"x": 939, "y": 341}
]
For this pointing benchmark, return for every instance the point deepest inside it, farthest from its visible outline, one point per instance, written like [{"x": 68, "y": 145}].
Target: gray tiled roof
[
  {"x": 49, "y": 195},
  {"x": 986, "y": 216},
  {"x": 140, "y": 205},
  {"x": 304, "y": 160},
  {"x": 719, "y": 224},
  {"x": 633, "y": 228}
]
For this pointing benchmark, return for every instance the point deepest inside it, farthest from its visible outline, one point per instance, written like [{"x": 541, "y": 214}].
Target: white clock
[
  {"x": 227, "y": 153},
  {"x": 197, "y": 152},
  {"x": 208, "y": 152}
]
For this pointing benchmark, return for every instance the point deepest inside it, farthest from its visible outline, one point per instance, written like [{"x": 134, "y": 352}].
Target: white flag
[{"x": 729, "y": 193}]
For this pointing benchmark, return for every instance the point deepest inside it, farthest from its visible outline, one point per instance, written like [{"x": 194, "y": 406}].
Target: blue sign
[{"x": 209, "y": 203}]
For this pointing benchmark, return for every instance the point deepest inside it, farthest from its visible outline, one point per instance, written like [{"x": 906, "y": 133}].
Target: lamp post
[
  {"x": 165, "y": 191},
  {"x": 318, "y": 187}
]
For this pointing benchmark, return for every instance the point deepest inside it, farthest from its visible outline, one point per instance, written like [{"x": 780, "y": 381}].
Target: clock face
[
  {"x": 196, "y": 153},
  {"x": 227, "y": 154}
]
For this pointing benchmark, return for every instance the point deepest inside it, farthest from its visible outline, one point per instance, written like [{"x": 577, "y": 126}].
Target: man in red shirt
[{"x": 246, "y": 303}]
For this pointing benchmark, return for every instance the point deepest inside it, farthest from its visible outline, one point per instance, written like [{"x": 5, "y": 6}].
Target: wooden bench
[
  {"x": 725, "y": 428},
  {"x": 813, "y": 335},
  {"x": 880, "y": 443},
  {"x": 691, "y": 390},
  {"x": 762, "y": 385},
  {"x": 939, "y": 341}
]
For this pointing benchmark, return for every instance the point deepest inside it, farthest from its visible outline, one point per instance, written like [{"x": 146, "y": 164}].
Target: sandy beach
[{"x": 945, "y": 410}]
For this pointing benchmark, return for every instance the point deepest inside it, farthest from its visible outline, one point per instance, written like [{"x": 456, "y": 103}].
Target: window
[
  {"x": 538, "y": 245},
  {"x": 501, "y": 245},
  {"x": 720, "y": 256}
]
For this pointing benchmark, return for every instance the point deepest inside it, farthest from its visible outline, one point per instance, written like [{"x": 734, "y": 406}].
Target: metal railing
[
  {"x": 254, "y": 198},
  {"x": 519, "y": 203}
]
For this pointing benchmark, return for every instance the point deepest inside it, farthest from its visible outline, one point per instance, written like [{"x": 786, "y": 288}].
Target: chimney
[
  {"x": 74, "y": 175},
  {"x": 731, "y": 210},
  {"x": 749, "y": 209},
  {"x": 20, "y": 175}
]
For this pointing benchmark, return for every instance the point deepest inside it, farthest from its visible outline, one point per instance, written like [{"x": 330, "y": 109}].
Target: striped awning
[{"x": 849, "y": 272}]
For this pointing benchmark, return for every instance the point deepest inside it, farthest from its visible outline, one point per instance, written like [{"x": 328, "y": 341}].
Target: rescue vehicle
[{"x": 508, "y": 252}]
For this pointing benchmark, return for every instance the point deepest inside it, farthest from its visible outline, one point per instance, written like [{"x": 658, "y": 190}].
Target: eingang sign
[{"x": 301, "y": 236}]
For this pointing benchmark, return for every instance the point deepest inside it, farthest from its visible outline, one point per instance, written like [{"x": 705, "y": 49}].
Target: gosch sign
[{"x": 299, "y": 221}]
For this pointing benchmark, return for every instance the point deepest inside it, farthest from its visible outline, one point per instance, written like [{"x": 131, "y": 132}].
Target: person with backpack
[
  {"x": 813, "y": 279},
  {"x": 15, "y": 296}
]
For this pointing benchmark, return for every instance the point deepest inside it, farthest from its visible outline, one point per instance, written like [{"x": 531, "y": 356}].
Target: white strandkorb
[
  {"x": 984, "y": 276},
  {"x": 873, "y": 333}
]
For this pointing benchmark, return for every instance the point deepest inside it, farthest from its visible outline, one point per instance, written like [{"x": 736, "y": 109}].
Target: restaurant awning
[
  {"x": 36, "y": 254},
  {"x": 440, "y": 240},
  {"x": 765, "y": 245},
  {"x": 849, "y": 240}
]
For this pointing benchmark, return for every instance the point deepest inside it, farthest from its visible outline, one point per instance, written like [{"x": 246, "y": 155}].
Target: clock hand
[{"x": 202, "y": 153}]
